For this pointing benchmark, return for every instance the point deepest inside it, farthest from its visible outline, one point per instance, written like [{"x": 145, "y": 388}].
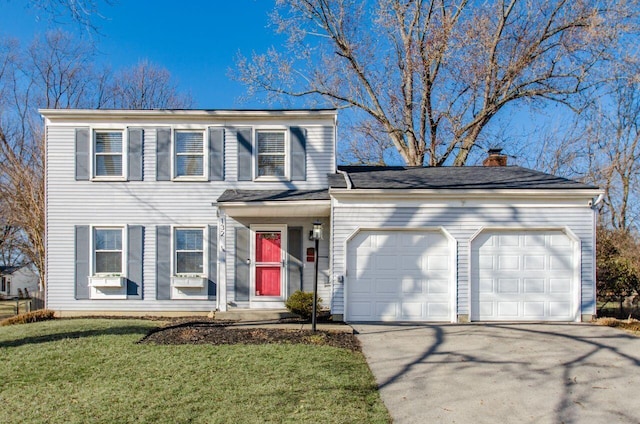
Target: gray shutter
[
  {"x": 82, "y": 154},
  {"x": 135, "y": 149},
  {"x": 163, "y": 154},
  {"x": 216, "y": 154},
  {"x": 294, "y": 244},
  {"x": 83, "y": 252},
  {"x": 213, "y": 261},
  {"x": 135, "y": 249},
  {"x": 242, "y": 263},
  {"x": 163, "y": 262},
  {"x": 245, "y": 153},
  {"x": 298, "y": 153}
]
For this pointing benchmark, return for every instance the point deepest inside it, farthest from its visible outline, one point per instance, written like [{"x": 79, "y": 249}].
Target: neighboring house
[
  {"x": 159, "y": 211},
  {"x": 15, "y": 279}
]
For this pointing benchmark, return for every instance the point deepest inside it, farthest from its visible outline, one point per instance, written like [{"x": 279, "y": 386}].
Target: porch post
[{"x": 221, "y": 296}]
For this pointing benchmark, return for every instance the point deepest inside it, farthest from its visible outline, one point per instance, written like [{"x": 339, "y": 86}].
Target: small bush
[
  {"x": 301, "y": 303},
  {"x": 35, "y": 316}
]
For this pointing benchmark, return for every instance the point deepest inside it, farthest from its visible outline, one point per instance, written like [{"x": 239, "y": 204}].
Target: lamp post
[{"x": 316, "y": 235}]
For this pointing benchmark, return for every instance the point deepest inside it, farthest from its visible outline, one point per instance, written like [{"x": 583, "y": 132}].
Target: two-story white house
[{"x": 186, "y": 211}]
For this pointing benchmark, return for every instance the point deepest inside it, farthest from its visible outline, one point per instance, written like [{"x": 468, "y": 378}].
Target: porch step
[{"x": 253, "y": 315}]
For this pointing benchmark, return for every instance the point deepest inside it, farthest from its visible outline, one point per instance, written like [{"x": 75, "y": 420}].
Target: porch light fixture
[{"x": 316, "y": 235}]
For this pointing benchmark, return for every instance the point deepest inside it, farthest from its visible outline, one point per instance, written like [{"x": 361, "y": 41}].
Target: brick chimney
[{"x": 495, "y": 158}]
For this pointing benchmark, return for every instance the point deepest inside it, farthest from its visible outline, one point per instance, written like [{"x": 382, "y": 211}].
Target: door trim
[{"x": 258, "y": 300}]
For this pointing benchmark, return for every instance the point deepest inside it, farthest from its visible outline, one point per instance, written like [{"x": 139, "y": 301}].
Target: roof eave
[
  {"x": 70, "y": 114},
  {"x": 555, "y": 193}
]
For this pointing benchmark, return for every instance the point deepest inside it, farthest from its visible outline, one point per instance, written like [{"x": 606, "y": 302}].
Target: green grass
[{"x": 91, "y": 370}]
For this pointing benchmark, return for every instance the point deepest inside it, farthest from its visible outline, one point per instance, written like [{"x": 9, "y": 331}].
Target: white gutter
[{"x": 465, "y": 193}]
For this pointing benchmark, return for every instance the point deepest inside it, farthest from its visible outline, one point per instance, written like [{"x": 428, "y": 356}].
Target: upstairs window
[
  {"x": 107, "y": 250},
  {"x": 271, "y": 153},
  {"x": 108, "y": 153},
  {"x": 189, "y": 251},
  {"x": 189, "y": 154}
]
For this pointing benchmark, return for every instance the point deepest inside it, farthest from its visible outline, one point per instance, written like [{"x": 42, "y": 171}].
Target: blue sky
[{"x": 197, "y": 41}]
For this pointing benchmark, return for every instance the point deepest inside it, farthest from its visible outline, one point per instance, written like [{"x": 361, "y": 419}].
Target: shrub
[
  {"x": 35, "y": 316},
  {"x": 301, "y": 303}
]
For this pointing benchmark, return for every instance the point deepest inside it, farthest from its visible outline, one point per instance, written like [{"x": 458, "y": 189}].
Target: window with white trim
[
  {"x": 107, "y": 247},
  {"x": 189, "y": 251},
  {"x": 271, "y": 153},
  {"x": 189, "y": 154},
  {"x": 108, "y": 153}
]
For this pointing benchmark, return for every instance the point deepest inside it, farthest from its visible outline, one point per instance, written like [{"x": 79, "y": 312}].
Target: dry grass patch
[
  {"x": 631, "y": 325},
  {"x": 35, "y": 316}
]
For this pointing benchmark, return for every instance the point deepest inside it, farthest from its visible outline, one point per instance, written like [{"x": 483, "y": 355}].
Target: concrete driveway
[{"x": 505, "y": 373}]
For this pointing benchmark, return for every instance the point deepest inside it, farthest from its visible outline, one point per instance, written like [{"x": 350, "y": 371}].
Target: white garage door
[
  {"x": 523, "y": 276},
  {"x": 399, "y": 276}
]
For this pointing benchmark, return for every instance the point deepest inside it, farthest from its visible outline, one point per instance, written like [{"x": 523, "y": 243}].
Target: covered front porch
[{"x": 267, "y": 247}]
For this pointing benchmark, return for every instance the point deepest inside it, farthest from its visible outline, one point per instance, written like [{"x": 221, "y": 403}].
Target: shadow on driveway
[{"x": 477, "y": 373}]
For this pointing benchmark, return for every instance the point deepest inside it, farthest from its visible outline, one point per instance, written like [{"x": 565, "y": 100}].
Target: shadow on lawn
[{"x": 111, "y": 331}]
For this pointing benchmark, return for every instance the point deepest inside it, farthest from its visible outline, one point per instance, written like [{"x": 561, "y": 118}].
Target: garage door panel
[
  {"x": 362, "y": 286},
  {"x": 534, "y": 263},
  {"x": 437, "y": 287},
  {"x": 508, "y": 309},
  {"x": 559, "y": 309},
  {"x": 358, "y": 309},
  {"x": 508, "y": 285},
  {"x": 557, "y": 285},
  {"x": 387, "y": 286},
  {"x": 533, "y": 285},
  {"x": 412, "y": 311},
  {"x": 522, "y": 275},
  {"x": 412, "y": 286},
  {"x": 386, "y": 310},
  {"x": 438, "y": 262},
  {"x": 533, "y": 309},
  {"x": 408, "y": 276},
  {"x": 438, "y": 310}
]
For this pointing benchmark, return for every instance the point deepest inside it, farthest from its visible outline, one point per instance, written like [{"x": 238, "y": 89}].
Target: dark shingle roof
[
  {"x": 272, "y": 195},
  {"x": 451, "y": 178}
]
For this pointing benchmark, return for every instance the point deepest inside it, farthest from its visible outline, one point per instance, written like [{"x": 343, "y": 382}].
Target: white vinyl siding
[
  {"x": 150, "y": 203},
  {"x": 189, "y": 154},
  {"x": 461, "y": 223},
  {"x": 271, "y": 153},
  {"x": 108, "y": 153}
]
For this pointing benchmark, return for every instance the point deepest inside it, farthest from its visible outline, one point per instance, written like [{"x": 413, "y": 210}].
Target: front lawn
[{"x": 92, "y": 370}]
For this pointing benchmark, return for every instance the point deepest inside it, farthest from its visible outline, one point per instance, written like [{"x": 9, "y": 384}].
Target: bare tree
[
  {"x": 433, "y": 74},
  {"x": 146, "y": 86},
  {"x": 614, "y": 128},
  {"x": 82, "y": 12},
  {"x": 56, "y": 71}
]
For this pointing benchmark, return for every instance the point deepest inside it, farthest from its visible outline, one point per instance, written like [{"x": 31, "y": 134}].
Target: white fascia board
[
  {"x": 381, "y": 195},
  {"x": 64, "y": 115},
  {"x": 283, "y": 209}
]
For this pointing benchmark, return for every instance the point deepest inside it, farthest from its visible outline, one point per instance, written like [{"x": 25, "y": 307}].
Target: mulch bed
[{"x": 217, "y": 333}]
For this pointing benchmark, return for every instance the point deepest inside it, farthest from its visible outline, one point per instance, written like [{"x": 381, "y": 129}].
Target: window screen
[
  {"x": 271, "y": 153},
  {"x": 108, "y": 251},
  {"x": 189, "y": 251},
  {"x": 108, "y": 153},
  {"x": 189, "y": 147}
]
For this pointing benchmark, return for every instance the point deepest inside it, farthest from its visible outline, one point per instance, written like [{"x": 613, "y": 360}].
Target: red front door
[{"x": 268, "y": 263}]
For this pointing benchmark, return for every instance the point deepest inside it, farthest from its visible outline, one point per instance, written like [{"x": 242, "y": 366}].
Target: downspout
[
  {"x": 594, "y": 205},
  {"x": 347, "y": 179}
]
